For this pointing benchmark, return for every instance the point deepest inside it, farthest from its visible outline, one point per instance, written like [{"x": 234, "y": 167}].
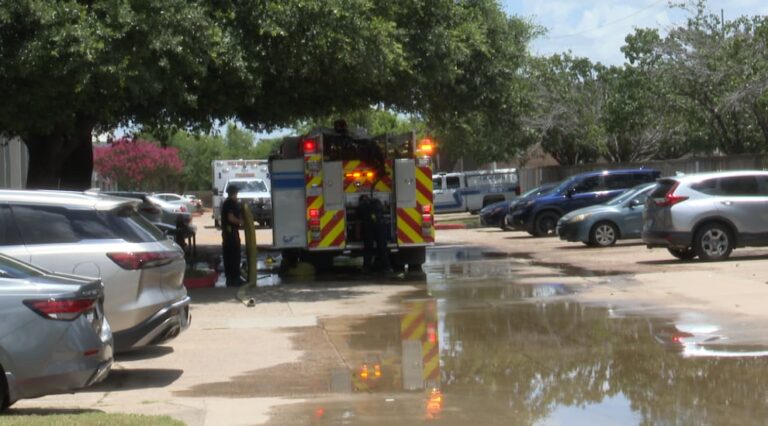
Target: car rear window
[
  {"x": 57, "y": 225},
  {"x": 662, "y": 188}
]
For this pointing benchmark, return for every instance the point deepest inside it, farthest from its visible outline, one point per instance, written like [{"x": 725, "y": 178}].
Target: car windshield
[
  {"x": 11, "y": 268},
  {"x": 249, "y": 186}
]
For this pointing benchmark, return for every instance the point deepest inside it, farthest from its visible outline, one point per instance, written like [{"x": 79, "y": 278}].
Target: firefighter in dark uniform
[
  {"x": 231, "y": 221},
  {"x": 371, "y": 214}
]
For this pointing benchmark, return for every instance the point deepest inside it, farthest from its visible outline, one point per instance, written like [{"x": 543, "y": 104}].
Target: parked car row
[
  {"x": 704, "y": 215},
  {"x": 135, "y": 299}
]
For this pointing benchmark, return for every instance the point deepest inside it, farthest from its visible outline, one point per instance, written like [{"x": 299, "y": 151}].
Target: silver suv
[
  {"x": 708, "y": 215},
  {"x": 93, "y": 235}
]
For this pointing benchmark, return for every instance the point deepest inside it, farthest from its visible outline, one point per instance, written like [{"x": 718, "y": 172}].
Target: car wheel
[
  {"x": 3, "y": 391},
  {"x": 545, "y": 224},
  {"x": 682, "y": 254},
  {"x": 505, "y": 226},
  {"x": 603, "y": 234},
  {"x": 713, "y": 242}
]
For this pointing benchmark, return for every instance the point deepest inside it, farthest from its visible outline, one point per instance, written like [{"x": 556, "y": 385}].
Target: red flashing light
[
  {"x": 426, "y": 209},
  {"x": 314, "y": 213},
  {"x": 310, "y": 146},
  {"x": 432, "y": 332}
]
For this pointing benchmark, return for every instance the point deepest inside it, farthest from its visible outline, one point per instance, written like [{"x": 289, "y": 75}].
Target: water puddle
[{"x": 478, "y": 347}]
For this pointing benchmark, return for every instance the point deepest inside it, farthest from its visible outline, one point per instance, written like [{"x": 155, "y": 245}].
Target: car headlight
[{"x": 579, "y": 217}]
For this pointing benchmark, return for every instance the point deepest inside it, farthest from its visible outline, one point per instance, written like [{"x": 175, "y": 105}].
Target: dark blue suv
[{"x": 539, "y": 215}]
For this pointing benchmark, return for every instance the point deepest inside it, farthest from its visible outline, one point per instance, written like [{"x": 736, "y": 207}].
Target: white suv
[
  {"x": 102, "y": 236},
  {"x": 708, "y": 215}
]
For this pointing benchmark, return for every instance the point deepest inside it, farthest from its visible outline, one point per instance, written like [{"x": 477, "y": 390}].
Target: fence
[
  {"x": 533, "y": 177},
  {"x": 13, "y": 163}
]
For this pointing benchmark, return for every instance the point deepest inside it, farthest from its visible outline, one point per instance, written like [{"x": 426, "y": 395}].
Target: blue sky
[{"x": 596, "y": 28}]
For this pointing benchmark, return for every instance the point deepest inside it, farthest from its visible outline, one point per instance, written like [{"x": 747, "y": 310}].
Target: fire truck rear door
[{"x": 289, "y": 224}]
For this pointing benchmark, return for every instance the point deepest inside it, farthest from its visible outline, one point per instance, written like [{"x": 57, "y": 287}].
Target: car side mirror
[
  {"x": 570, "y": 192},
  {"x": 635, "y": 203}
]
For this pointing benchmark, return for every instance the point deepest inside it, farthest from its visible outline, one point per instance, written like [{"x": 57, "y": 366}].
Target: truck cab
[{"x": 255, "y": 193}]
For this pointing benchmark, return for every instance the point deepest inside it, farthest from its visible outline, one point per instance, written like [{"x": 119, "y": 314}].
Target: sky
[{"x": 596, "y": 28}]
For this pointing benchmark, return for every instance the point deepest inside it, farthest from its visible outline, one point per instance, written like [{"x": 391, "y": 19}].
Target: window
[
  {"x": 437, "y": 184},
  {"x": 58, "y": 225},
  {"x": 9, "y": 234},
  {"x": 452, "y": 182},
  {"x": 638, "y": 178},
  {"x": 708, "y": 186},
  {"x": 588, "y": 184},
  {"x": 619, "y": 181},
  {"x": 739, "y": 185}
]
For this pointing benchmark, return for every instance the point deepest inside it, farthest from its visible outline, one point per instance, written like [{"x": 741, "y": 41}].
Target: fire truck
[{"x": 318, "y": 179}]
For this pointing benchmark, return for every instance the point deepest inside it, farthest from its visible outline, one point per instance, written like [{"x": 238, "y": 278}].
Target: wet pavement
[{"x": 478, "y": 345}]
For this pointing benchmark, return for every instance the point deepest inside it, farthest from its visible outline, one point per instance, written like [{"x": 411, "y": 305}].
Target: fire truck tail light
[
  {"x": 426, "y": 209},
  {"x": 310, "y": 146}
]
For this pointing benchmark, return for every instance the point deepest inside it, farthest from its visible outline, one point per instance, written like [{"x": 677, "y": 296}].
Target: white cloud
[{"x": 596, "y": 29}]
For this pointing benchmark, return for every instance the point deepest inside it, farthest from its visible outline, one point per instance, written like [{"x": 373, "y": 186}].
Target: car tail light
[
  {"x": 61, "y": 309},
  {"x": 670, "y": 199},
  {"x": 142, "y": 260}
]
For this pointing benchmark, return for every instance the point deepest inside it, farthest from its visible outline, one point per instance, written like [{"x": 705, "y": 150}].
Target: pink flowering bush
[{"x": 135, "y": 164}]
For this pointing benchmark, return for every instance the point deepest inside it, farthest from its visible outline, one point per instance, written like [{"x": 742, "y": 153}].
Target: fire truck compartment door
[
  {"x": 333, "y": 185},
  {"x": 289, "y": 222},
  {"x": 405, "y": 183}
]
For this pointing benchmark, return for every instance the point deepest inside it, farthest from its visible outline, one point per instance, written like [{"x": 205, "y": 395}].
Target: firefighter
[
  {"x": 231, "y": 221},
  {"x": 371, "y": 214}
]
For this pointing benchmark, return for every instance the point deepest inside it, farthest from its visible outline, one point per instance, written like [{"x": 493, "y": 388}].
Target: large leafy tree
[
  {"x": 70, "y": 67},
  {"x": 568, "y": 103}
]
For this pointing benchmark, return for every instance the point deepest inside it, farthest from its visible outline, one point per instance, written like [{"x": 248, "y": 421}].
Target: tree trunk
[{"x": 61, "y": 160}]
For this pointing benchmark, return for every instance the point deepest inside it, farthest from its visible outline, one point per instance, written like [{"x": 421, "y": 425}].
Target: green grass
[{"x": 88, "y": 419}]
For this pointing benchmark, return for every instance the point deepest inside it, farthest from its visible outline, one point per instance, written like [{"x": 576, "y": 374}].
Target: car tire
[
  {"x": 682, "y": 254},
  {"x": 505, "y": 226},
  {"x": 545, "y": 224},
  {"x": 4, "y": 393},
  {"x": 713, "y": 242},
  {"x": 603, "y": 234}
]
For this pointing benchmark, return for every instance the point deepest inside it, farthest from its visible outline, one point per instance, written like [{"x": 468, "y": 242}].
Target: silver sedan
[{"x": 53, "y": 334}]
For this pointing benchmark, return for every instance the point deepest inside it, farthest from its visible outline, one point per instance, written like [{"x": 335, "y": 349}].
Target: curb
[{"x": 450, "y": 226}]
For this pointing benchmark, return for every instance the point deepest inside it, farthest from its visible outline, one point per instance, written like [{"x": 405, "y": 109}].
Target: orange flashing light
[
  {"x": 369, "y": 174},
  {"x": 364, "y": 372},
  {"x": 377, "y": 370},
  {"x": 356, "y": 175},
  {"x": 426, "y": 146}
]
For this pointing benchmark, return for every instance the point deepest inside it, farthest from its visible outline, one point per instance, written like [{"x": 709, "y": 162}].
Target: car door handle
[{"x": 726, "y": 203}]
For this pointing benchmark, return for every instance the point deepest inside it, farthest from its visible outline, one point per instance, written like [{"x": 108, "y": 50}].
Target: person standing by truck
[{"x": 231, "y": 221}]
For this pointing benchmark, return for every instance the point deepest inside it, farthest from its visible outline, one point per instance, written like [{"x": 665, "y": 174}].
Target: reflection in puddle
[{"x": 481, "y": 349}]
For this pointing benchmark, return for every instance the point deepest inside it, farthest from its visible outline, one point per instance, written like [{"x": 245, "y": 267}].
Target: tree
[
  {"x": 568, "y": 103},
  {"x": 70, "y": 67},
  {"x": 136, "y": 164}
]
